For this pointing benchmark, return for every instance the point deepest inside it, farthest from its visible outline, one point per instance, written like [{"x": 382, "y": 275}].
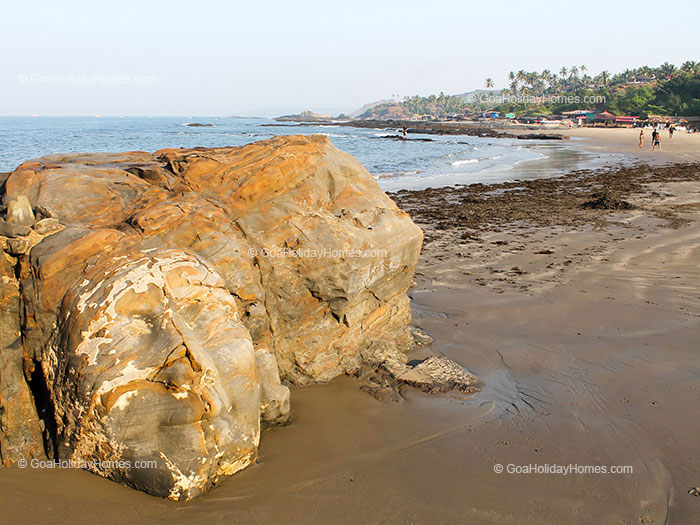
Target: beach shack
[
  {"x": 490, "y": 114},
  {"x": 581, "y": 116},
  {"x": 625, "y": 121},
  {"x": 667, "y": 120},
  {"x": 605, "y": 118},
  {"x": 577, "y": 113}
]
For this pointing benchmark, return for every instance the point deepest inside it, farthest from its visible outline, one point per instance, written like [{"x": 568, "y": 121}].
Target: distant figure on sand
[
  {"x": 670, "y": 132},
  {"x": 404, "y": 133},
  {"x": 641, "y": 138},
  {"x": 655, "y": 140}
]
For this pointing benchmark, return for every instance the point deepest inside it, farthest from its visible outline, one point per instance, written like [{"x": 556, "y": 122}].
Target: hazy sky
[{"x": 230, "y": 57}]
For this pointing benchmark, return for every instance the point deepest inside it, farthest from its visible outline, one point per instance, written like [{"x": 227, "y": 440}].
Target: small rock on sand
[
  {"x": 420, "y": 338},
  {"x": 439, "y": 374}
]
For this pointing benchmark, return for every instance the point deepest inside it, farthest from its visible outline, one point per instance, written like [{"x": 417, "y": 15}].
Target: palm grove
[{"x": 662, "y": 90}]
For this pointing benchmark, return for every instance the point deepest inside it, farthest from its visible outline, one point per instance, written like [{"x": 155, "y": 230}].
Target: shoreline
[
  {"x": 600, "y": 147},
  {"x": 469, "y": 128},
  {"x": 580, "y": 321},
  {"x": 683, "y": 146}
]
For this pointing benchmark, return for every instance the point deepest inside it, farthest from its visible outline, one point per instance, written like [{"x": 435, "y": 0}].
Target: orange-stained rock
[
  {"x": 184, "y": 284},
  {"x": 20, "y": 432}
]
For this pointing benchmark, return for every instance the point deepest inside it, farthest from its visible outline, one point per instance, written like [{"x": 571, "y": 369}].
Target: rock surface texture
[{"x": 155, "y": 305}]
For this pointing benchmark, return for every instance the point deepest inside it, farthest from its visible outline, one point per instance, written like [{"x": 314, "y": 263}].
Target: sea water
[{"x": 396, "y": 164}]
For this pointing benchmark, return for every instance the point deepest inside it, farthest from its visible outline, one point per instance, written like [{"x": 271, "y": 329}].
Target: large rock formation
[{"x": 161, "y": 300}]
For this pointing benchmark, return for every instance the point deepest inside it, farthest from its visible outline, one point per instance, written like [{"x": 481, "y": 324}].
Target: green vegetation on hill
[
  {"x": 664, "y": 90},
  {"x": 439, "y": 105}
]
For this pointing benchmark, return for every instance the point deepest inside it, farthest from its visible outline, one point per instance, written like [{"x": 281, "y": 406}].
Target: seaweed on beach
[
  {"x": 606, "y": 201},
  {"x": 577, "y": 198}
]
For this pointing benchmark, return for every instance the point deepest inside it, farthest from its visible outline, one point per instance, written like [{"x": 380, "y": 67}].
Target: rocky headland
[
  {"x": 481, "y": 128},
  {"x": 470, "y": 128},
  {"x": 305, "y": 116}
]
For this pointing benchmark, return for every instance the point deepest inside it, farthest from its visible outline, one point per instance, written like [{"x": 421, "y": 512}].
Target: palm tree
[
  {"x": 564, "y": 76},
  {"x": 535, "y": 82},
  {"x": 585, "y": 79},
  {"x": 546, "y": 77},
  {"x": 489, "y": 83},
  {"x": 689, "y": 66},
  {"x": 573, "y": 73},
  {"x": 513, "y": 83},
  {"x": 646, "y": 73},
  {"x": 666, "y": 69}
]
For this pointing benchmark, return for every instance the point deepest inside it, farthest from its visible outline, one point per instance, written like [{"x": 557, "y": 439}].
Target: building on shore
[
  {"x": 580, "y": 116},
  {"x": 626, "y": 121},
  {"x": 605, "y": 118}
]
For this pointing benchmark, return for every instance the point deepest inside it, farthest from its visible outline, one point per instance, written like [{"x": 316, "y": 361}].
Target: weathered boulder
[
  {"x": 173, "y": 293},
  {"x": 159, "y": 368}
]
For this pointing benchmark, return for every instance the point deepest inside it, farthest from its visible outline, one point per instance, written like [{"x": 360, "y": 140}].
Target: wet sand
[{"x": 583, "y": 323}]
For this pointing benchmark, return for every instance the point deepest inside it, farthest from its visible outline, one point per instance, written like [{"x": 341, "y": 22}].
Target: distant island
[{"x": 305, "y": 116}]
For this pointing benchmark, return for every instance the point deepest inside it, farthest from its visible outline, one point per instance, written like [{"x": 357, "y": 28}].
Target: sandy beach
[
  {"x": 575, "y": 300},
  {"x": 682, "y": 147}
]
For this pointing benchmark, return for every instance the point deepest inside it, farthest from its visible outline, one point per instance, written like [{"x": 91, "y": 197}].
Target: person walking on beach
[
  {"x": 655, "y": 140},
  {"x": 404, "y": 133},
  {"x": 641, "y": 138},
  {"x": 670, "y": 132}
]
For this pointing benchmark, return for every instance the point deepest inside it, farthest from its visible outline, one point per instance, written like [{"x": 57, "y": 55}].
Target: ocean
[{"x": 412, "y": 164}]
